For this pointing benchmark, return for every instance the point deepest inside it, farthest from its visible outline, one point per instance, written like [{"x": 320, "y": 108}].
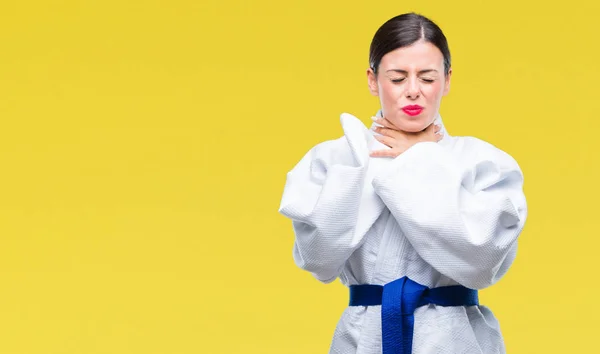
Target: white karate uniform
[{"x": 442, "y": 213}]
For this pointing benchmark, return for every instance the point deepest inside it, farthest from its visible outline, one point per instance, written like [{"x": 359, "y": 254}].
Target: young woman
[{"x": 411, "y": 219}]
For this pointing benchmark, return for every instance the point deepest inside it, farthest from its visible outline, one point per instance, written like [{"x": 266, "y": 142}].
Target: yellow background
[{"x": 144, "y": 147}]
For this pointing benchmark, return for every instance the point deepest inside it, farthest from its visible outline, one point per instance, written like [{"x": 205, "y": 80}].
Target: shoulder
[
  {"x": 321, "y": 156},
  {"x": 476, "y": 150},
  {"x": 329, "y": 148}
]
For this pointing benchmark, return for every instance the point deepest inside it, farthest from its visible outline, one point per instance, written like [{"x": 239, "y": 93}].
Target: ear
[
  {"x": 372, "y": 81},
  {"x": 447, "y": 82}
]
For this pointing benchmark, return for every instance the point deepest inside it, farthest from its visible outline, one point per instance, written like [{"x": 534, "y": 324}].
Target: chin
[{"x": 413, "y": 125}]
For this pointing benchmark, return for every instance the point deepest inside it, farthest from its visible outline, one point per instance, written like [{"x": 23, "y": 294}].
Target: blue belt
[{"x": 399, "y": 299}]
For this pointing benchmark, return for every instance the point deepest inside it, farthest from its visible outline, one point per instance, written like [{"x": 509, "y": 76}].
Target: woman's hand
[{"x": 399, "y": 141}]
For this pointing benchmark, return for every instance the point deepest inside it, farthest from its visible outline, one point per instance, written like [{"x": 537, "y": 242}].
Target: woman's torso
[{"x": 386, "y": 255}]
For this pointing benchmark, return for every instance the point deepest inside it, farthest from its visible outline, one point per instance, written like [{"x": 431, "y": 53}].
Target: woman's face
[{"x": 410, "y": 85}]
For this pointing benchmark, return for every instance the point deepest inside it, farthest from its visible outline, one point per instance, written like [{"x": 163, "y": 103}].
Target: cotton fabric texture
[{"x": 441, "y": 213}]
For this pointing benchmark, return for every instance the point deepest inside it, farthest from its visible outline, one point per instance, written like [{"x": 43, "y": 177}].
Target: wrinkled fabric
[{"x": 442, "y": 213}]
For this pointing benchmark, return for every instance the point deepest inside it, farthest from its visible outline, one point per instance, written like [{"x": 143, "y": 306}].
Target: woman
[{"x": 411, "y": 219}]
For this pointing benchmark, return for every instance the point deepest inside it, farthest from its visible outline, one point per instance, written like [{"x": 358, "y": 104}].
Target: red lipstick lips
[{"x": 412, "y": 110}]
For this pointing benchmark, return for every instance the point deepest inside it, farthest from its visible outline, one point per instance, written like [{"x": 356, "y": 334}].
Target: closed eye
[{"x": 402, "y": 79}]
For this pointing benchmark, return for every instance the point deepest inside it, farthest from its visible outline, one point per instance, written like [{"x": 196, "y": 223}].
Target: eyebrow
[{"x": 400, "y": 71}]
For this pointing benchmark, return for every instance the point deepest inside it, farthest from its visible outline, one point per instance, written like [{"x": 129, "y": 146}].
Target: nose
[{"x": 412, "y": 89}]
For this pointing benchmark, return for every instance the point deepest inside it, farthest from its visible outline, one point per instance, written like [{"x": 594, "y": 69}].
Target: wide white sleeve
[
  {"x": 462, "y": 217},
  {"x": 324, "y": 195}
]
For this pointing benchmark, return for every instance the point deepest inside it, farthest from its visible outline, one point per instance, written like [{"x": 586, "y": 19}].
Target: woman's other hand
[{"x": 400, "y": 141}]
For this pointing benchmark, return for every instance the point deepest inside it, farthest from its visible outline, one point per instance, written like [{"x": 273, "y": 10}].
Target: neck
[{"x": 436, "y": 120}]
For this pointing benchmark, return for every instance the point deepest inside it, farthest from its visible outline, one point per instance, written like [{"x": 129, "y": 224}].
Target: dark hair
[{"x": 404, "y": 30}]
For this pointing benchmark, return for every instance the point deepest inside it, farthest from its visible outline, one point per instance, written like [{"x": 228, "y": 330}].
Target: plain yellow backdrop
[{"x": 144, "y": 147}]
